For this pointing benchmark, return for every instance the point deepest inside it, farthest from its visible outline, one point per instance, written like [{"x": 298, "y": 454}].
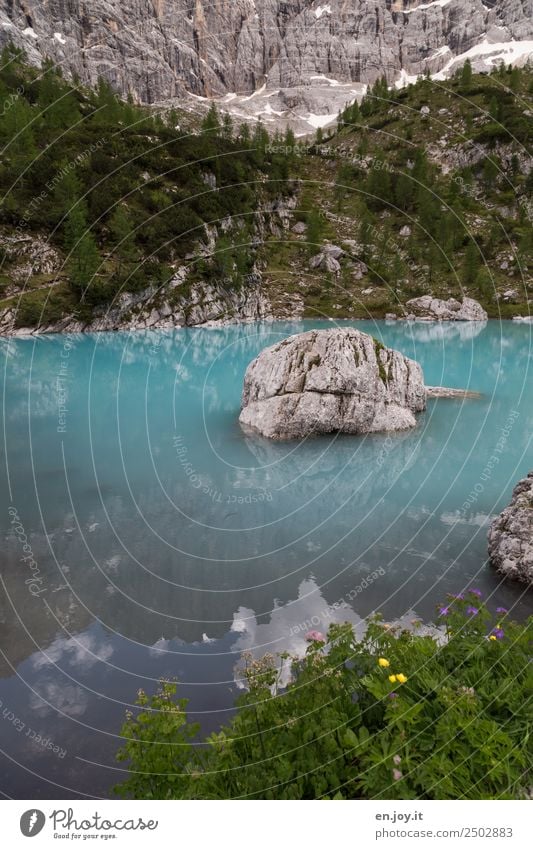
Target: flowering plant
[{"x": 399, "y": 714}]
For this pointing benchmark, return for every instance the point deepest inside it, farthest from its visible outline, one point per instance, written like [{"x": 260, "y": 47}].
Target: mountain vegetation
[
  {"x": 396, "y": 715},
  {"x": 120, "y": 193},
  {"x": 426, "y": 189}
]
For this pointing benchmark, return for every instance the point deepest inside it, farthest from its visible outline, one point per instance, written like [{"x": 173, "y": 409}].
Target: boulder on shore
[
  {"x": 434, "y": 309},
  {"x": 511, "y": 535},
  {"x": 326, "y": 381}
]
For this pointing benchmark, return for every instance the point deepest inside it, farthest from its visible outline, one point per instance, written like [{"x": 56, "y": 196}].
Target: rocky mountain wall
[{"x": 162, "y": 49}]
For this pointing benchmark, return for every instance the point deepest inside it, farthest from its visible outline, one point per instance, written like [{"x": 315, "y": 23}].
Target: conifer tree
[
  {"x": 65, "y": 193},
  {"x": 244, "y": 135},
  {"x": 107, "y": 110},
  {"x": 227, "y": 126},
  {"x": 211, "y": 122},
  {"x": 471, "y": 264},
  {"x": 83, "y": 257},
  {"x": 123, "y": 244},
  {"x": 465, "y": 80}
]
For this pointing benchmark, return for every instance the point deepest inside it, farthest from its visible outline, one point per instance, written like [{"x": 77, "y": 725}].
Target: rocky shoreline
[
  {"x": 216, "y": 304},
  {"x": 511, "y": 535}
]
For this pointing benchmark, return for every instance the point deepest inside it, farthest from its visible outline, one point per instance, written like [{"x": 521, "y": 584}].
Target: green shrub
[{"x": 401, "y": 714}]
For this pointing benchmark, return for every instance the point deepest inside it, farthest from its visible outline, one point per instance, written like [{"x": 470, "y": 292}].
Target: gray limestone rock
[
  {"x": 434, "y": 309},
  {"x": 511, "y": 535},
  {"x": 325, "y": 381},
  {"x": 310, "y": 55}
]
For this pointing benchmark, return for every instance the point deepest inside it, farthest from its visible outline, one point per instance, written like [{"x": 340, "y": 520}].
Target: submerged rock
[
  {"x": 511, "y": 535},
  {"x": 446, "y": 392},
  {"x": 325, "y": 381},
  {"x": 435, "y": 309}
]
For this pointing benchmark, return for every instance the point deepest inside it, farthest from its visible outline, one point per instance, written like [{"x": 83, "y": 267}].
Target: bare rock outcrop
[
  {"x": 434, "y": 309},
  {"x": 511, "y": 535},
  {"x": 163, "y": 49},
  {"x": 326, "y": 381}
]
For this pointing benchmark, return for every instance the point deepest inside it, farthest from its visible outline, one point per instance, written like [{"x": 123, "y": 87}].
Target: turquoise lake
[{"x": 145, "y": 535}]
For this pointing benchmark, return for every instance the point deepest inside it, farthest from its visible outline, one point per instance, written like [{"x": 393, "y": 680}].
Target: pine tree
[
  {"x": 515, "y": 79},
  {"x": 227, "y": 126},
  {"x": 490, "y": 172},
  {"x": 172, "y": 119},
  {"x": 471, "y": 264},
  {"x": 495, "y": 109},
  {"x": 66, "y": 192},
  {"x": 420, "y": 167},
  {"x": 18, "y": 129},
  {"x": 485, "y": 283},
  {"x": 107, "y": 110},
  {"x": 465, "y": 80},
  {"x": 211, "y": 122},
  {"x": 83, "y": 257},
  {"x": 289, "y": 139},
  {"x": 379, "y": 188},
  {"x": 341, "y": 184},
  {"x": 260, "y": 142},
  {"x": 244, "y": 135},
  {"x": 404, "y": 191},
  {"x": 131, "y": 114},
  {"x": 57, "y": 103},
  {"x": 123, "y": 244}
]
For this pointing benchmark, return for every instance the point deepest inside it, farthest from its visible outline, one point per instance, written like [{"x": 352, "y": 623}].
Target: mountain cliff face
[{"x": 161, "y": 49}]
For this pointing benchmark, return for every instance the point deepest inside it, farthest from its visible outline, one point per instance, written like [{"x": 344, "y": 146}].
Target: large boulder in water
[
  {"x": 325, "y": 381},
  {"x": 511, "y": 535}
]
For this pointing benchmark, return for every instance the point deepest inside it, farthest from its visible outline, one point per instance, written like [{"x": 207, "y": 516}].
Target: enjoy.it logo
[{"x": 32, "y": 822}]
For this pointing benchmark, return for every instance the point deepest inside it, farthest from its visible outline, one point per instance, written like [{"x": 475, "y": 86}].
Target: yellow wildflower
[
  {"x": 492, "y": 637},
  {"x": 383, "y": 662},
  {"x": 392, "y": 678},
  {"x": 401, "y": 678}
]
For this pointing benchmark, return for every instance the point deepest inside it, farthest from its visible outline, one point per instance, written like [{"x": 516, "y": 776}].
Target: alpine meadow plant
[{"x": 440, "y": 713}]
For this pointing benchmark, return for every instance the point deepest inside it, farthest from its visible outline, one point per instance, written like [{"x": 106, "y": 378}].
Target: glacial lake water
[{"x": 161, "y": 541}]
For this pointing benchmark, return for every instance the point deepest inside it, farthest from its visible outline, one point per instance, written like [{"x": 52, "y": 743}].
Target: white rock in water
[
  {"x": 326, "y": 381},
  {"x": 435, "y": 309},
  {"x": 511, "y": 535}
]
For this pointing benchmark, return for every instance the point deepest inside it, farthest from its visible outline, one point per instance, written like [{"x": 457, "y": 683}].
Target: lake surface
[{"x": 160, "y": 540}]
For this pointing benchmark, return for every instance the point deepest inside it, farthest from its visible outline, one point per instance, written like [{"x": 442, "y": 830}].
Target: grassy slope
[{"x": 485, "y": 203}]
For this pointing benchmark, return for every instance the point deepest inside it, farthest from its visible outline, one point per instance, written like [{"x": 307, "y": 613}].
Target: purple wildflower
[
  {"x": 443, "y": 611},
  {"x": 472, "y": 611},
  {"x": 501, "y": 610},
  {"x": 477, "y": 593},
  {"x": 499, "y": 633},
  {"x": 393, "y": 695},
  {"x": 397, "y": 774},
  {"x": 458, "y": 597}
]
